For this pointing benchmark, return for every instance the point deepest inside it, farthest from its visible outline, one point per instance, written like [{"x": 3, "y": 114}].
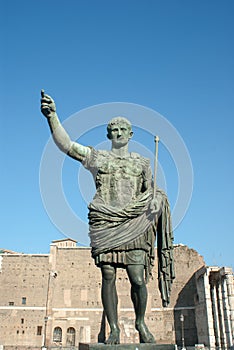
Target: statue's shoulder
[
  {"x": 135, "y": 155},
  {"x": 98, "y": 152},
  {"x": 103, "y": 153},
  {"x": 143, "y": 160},
  {"x": 103, "y": 156},
  {"x": 95, "y": 159}
]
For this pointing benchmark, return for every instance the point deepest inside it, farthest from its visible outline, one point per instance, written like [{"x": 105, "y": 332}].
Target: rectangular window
[
  {"x": 11, "y": 303},
  {"x": 22, "y": 320},
  {"x": 23, "y": 300},
  {"x": 39, "y": 330}
]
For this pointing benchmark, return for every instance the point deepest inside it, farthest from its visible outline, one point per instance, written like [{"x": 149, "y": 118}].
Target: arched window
[
  {"x": 71, "y": 336},
  {"x": 57, "y": 336}
]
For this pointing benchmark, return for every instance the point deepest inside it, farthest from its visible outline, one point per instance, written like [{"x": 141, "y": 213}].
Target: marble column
[
  {"x": 226, "y": 313},
  {"x": 215, "y": 313},
  {"x": 230, "y": 297},
  {"x": 221, "y": 315},
  {"x": 211, "y": 334}
]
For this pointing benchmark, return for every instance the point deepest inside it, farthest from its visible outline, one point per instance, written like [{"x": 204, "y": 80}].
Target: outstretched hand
[{"x": 48, "y": 107}]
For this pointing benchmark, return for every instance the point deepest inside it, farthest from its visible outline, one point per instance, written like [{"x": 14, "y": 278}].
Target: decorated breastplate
[{"x": 119, "y": 180}]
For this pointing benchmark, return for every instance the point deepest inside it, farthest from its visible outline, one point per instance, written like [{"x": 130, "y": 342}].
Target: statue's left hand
[{"x": 156, "y": 204}]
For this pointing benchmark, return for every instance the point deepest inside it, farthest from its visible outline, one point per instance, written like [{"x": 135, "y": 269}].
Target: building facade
[
  {"x": 215, "y": 307},
  {"x": 55, "y": 300}
]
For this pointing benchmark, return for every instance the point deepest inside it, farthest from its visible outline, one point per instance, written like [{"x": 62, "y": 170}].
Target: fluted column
[
  {"x": 215, "y": 313},
  {"x": 221, "y": 316},
  {"x": 226, "y": 312},
  {"x": 209, "y": 311},
  {"x": 230, "y": 298}
]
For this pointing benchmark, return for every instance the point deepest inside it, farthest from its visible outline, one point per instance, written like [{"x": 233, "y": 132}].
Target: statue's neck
[{"x": 121, "y": 151}]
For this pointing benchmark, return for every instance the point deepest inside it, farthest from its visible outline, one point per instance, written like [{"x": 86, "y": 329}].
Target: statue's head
[
  {"x": 119, "y": 131},
  {"x": 119, "y": 122}
]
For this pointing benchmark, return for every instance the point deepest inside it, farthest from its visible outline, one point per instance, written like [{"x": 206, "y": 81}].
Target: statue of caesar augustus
[{"x": 123, "y": 218}]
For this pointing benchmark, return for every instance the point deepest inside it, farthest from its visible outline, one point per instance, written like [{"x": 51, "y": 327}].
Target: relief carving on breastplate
[{"x": 119, "y": 181}]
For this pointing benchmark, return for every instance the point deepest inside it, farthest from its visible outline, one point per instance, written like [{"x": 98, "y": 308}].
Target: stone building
[
  {"x": 54, "y": 300},
  {"x": 215, "y": 307}
]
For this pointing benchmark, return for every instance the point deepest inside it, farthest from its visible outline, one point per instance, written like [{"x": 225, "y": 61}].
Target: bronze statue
[{"x": 124, "y": 217}]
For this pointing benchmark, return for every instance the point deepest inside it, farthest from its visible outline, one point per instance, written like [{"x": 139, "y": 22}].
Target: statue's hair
[{"x": 118, "y": 120}]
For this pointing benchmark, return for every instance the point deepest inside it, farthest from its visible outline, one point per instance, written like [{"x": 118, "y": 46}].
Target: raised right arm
[{"x": 60, "y": 136}]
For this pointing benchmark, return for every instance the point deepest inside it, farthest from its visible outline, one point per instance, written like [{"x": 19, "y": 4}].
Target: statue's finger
[
  {"x": 43, "y": 95},
  {"x": 46, "y": 99},
  {"x": 45, "y": 106}
]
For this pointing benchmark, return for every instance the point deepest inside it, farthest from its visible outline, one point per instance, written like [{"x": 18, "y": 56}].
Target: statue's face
[{"x": 120, "y": 134}]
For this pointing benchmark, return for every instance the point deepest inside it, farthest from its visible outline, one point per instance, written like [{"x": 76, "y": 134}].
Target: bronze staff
[{"x": 156, "y": 140}]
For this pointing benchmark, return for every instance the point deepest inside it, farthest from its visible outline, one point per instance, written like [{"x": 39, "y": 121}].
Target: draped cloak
[{"x": 112, "y": 228}]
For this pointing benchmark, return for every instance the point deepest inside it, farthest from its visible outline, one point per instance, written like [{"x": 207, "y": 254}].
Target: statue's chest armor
[
  {"x": 126, "y": 167},
  {"x": 119, "y": 180}
]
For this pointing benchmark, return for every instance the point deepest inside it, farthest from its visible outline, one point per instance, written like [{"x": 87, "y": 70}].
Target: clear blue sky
[{"x": 175, "y": 57}]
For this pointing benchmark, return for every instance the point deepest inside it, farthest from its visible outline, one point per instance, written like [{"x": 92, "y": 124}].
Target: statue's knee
[
  {"x": 108, "y": 273},
  {"x": 136, "y": 275},
  {"x": 138, "y": 281}
]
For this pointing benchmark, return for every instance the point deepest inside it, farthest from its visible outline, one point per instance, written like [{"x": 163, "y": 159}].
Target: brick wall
[{"x": 65, "y": 286}]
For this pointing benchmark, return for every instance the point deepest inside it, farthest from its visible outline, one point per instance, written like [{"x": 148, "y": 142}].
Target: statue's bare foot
[
  {"x": 144, "y": 333},
  {"x": 113, "y": 337}
]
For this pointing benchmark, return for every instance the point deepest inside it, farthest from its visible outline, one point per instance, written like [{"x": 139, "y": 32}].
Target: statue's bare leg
[
  {"x": 110, "y": 302},
  {"x": 139, "y": 299}
]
